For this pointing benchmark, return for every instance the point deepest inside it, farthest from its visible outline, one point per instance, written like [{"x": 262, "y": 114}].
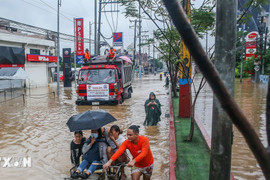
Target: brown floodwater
[
  {"x": 251, "y": 98},
  {"x": 37, "y": 129}
]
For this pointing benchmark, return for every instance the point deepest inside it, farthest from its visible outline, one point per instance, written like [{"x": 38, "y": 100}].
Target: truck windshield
[{"x": 96, "y": 76}]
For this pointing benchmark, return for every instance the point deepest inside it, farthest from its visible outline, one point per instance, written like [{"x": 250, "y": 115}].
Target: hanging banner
[
  {"x": 251, "y": 45},
  {"x": 118, "y": 39},
  {"x": 79, "y": 40}
]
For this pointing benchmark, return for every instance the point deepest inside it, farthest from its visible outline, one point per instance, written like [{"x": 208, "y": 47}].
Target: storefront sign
[
  {"x": 98, "y": 91},
  {"x": 79, "y": 40},
  {"x": 11, "y": 65},
  {"x": 251, "y": 45},
  {"x": 118, "y": 39},
  {"x": 40, "y": 58}
]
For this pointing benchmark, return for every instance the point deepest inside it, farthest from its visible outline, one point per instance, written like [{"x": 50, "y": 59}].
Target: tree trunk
[{"x": 192, "y": 123}]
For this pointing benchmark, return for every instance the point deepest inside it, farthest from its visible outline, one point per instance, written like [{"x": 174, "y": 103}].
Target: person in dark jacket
[
  {"x": 91, "y": 150},
  {"x": 76, "y": 148},
  {"x": 152, "y": 110},
  {"x": 167, "y": 81}
]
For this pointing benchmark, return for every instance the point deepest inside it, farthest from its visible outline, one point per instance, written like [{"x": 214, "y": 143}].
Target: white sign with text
[{"x": 98, "y": 91}]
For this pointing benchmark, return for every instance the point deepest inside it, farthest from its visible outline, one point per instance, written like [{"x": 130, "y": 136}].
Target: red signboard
[
  {"x": 251, "y": 45},
  {"x": 252, "y": 35},
  {"x": 11, "y": 65},
  {"x": 79, "y": 37},
  {"x": 41, "y": 58}
]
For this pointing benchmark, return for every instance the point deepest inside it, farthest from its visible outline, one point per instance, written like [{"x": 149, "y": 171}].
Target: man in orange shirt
[
  {"x": 111, "y": 54},
  {"x": 87, "y": 56},
  {"x": 142, "y": 163}
]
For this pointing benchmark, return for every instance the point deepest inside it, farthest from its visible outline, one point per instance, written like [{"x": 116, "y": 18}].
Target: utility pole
[
  {"x": 242, "y": 56},
  {"x": 90, "y": 34},
  {"x": 140, "y": 41},
  {"x": 154, "y": 55},
  {"x": 75, "y": 66},
  {"x": 58, "y": 46},
  {"x": 95, "y": 38},
  {"x": 264, "y": 50},
  {"x": 145, "y": 39},
  {"x": 222, "y": 138},
  {"x": 135, "y": 32},
  {"x": 206, "y": 43},
  {"x": 99, "y": 22},
  {"x": 153, "y": 47},
  {"x": 99, "y": 26},
  {"x": 262, "y": 31}
]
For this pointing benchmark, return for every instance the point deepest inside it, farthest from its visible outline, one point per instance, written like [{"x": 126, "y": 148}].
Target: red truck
[{"x": 102, "y": 82}]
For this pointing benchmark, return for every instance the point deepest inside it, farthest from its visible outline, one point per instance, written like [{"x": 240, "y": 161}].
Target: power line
[
  {"x": 112, "y": 16},
  {"x": 55, "y": 10},
  {"x": 46, "y": 33},
  {"x": 117, "y": 16},
  {"x": 108, "y": 21},
  {"x": 52, "y": 12},
  {"x": 38, "y": 7},
  {"x": 47, "y": 10}
]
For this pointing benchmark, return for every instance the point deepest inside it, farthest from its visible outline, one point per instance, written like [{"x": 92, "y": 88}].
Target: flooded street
[
  {"x": 252, "y": 100},
  {"x": 37, "y": 129}
]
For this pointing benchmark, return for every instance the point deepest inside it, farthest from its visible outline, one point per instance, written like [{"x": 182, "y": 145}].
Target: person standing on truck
[
  {"x": 111, "y": 54},
  {"x": 87, "y": 56},
  {"x": 139, "y": 147}
]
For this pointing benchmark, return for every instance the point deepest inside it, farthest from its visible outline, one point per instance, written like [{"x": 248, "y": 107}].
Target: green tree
[
  {"x": 169, "y": 40},
  {"x": 244, "y": 17},
  {"x": 266, "y": 58}
]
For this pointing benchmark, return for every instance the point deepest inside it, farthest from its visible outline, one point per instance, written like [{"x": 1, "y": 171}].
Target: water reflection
[
  {"x": 37, "y": 129},
  {"x": 252, "y": 100}
]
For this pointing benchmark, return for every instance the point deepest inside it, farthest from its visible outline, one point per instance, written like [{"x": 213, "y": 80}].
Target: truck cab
[{"x": 103, "y": 82}]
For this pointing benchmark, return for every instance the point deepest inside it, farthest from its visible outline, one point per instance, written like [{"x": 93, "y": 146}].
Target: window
[
  {"x": 34, "y": 51},
  {"x": 97, "y": 76}
]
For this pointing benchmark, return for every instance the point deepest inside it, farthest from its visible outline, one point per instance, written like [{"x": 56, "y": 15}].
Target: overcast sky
[{"x": 43, "y": 13}]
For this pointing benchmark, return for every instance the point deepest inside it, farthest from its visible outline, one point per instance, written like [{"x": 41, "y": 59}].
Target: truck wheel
[
  {"x": 121, "y": 99},
  {"x": 129, "y": 93}
]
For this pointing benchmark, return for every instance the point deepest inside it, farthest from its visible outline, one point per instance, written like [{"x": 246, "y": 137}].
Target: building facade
[{"x": 39, "y": 60}]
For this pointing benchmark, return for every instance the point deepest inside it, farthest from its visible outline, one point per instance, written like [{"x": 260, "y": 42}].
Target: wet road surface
[
  {"x": 251, "y": 98},
  {"x": 37, "y": 129}
]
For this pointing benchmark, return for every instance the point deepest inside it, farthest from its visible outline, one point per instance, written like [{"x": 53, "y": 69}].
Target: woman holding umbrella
[
  {"x": 92, "y": 155},
  {"x": 94, "y": 149}
]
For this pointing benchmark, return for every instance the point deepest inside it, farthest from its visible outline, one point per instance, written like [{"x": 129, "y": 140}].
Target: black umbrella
[{"x": 89, "y": 120}]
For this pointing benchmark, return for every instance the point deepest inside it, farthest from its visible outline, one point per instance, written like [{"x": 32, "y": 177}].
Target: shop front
[{"x": 40, "y": 69}]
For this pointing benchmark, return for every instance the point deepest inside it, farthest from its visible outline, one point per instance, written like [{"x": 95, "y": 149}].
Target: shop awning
[{"x": 13, "y": 73}]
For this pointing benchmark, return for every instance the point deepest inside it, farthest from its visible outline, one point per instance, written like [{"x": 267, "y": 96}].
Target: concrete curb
[
  {"x": 206, "y": 137},
  {"x": 173, "y": 153}
]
